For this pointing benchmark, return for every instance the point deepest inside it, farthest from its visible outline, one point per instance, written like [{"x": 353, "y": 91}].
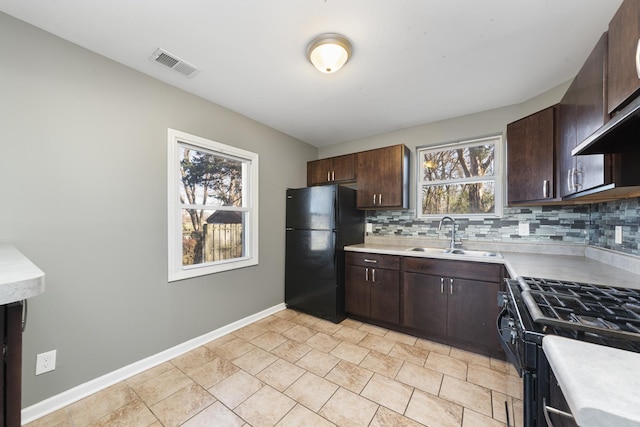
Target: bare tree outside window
[
  {"x": 459, "y": 178},
  {"x": 209, "y": 181}
]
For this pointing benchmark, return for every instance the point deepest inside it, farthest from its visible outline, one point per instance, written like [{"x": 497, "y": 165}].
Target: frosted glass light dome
[{"x": 329, "y": 52}]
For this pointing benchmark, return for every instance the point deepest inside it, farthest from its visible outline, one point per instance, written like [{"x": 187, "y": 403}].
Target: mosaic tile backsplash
[{"x": 572, "y": 224}]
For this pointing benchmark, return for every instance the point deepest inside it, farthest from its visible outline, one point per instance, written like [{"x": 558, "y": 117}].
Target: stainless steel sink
[
  {"x": 467, "y": 252},
  {"x": 461, "y": 252},
  {"x": 429, "y": 250}
]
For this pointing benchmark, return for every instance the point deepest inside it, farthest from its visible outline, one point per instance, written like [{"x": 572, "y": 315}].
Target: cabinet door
[
  {"x": 367, "y": 178},
  {"x": 472, "y": 311},
  {"x": 624, "y": 32},
  {"x": 344, "y": 168},
  {"x": 11, "y": 393},
  {"x": 591, "y": 114},
  {"x": 385, "y": 295},
  {"x": 425, "y": 303},
  {"x": 567, "y": 139},
  {"x": 318, "y": 172},
  {"x": 530, "y": 157},
  {"x": 582, "y": 111},
  {"x": 357, "y": 290},
  {"x": 383, "y": 178}
]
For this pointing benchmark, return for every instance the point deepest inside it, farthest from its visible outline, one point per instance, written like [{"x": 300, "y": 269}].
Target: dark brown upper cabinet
[
  {"x": 624, "y": 36},
  {"x": 581, "y": 112},
  {"x": 339, "y": 169},
  {"x": 383, "y": 178},
  {"x": 531, "y": 165}
]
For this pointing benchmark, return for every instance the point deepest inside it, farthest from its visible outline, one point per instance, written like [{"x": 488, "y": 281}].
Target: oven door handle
[
  {"x": 511, "y": 356},
  {"x": 546, "y": 410}
]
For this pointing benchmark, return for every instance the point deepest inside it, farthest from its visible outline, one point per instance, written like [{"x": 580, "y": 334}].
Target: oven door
[{"x": 510, "y": 342}]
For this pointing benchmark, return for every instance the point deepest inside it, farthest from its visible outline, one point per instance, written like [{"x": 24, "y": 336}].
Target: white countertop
[
  {"x": 542, "y": 265},
  {"x": 601, "y": 384},
  {"x": 570, "y": 268},
  {"x": 19, "y": 278}
]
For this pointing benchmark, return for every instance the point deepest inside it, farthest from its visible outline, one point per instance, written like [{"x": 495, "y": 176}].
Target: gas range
[
  {"x": 597, "y": 310},
  {"x": 533, "y": 308},
  {"x": 599, "y": 314}
]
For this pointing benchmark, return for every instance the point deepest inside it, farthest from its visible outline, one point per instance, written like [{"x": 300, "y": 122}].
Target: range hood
[{"x": 621, "y": 134}]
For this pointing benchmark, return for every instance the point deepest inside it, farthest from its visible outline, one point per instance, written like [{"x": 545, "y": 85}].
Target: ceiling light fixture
[{"x": 329, "y": 52}]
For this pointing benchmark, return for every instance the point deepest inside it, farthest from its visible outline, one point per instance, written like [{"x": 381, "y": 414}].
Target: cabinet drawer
[
  {"x": 373, "y": 260},
  {"x": 462, "y": 269}
]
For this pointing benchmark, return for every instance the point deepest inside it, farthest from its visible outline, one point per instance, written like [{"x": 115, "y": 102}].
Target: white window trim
[
  {"x": 498, "y": 175},
  {"x": 176, "y": 271}
]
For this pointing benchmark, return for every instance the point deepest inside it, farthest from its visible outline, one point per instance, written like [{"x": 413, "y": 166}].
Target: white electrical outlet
[
  {"x": 45, "y": 362},
  {"x": 618, "y": 234},
  {"x": 523, "y": 229},
  {"x": 368, "y": 227}
]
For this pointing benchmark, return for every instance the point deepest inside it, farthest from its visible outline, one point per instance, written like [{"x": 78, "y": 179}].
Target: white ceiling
[{"x": 414, "y": 61}]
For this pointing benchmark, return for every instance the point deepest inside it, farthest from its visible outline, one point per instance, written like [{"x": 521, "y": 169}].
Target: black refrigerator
[{"x": 320, "y": 222}]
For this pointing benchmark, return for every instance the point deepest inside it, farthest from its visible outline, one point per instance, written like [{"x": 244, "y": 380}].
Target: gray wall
[
  {"x": 83, "y": 190},
  {"x": 484, "y": 123}
]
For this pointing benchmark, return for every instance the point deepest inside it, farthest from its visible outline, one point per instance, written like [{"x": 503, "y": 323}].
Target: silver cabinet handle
[
  {"x": 366, "y": 274},
  {"x": 451, "y": 286},
  {"x": 551, "y": 410},
  {"x": 333, "y": 175},
  {"x": 374, "y": 199},
  {"x": 442, "y": 285},
  {"x": 577, "y": 182},
  {"x": 569, "y": 180},
  {"x": 373, "y": 275},
  {"x": 380, "y": 198},
  {"x": 374, "y": 261},
  {"x": 638, "y": 59},
  {"x": 545, "y": 189},
  {"x": 25, "y": 313},
  {"x": 328, "y": 176}
]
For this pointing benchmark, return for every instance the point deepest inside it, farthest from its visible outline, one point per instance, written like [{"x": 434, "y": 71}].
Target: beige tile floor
[{"x": 292, "y": 369}]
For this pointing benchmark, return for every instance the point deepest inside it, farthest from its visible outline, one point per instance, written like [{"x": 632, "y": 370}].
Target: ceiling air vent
[{"x": 168, "y": 60}]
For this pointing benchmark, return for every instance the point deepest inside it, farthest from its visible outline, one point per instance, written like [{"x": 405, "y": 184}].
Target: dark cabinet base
[
  {"x": 441, "y": 339},
  {"x": 451, "y": 302},
  {"x": 11, "y": 371}
]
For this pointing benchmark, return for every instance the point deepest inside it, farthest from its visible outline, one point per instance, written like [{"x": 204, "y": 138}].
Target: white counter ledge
[
  {"x": 600, "y": 383},
  {"x": 19, "y": 278},
  {"x": 570, "y": 268}
]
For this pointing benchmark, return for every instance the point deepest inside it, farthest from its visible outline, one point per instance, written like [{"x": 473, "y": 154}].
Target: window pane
[
  {"x": 210, "y": 236},
  {"x": 210, "y": 180},
  {"x": 477, "y": 197},
  {"x": 459, "y": 163}
]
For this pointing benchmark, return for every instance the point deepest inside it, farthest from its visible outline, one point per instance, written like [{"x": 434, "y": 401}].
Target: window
[
  {"x": 462, "y": 178},
  {"x": 212, "y": 206}
]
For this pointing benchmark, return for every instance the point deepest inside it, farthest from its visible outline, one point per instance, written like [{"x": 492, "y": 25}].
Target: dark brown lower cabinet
[
  {"x": 373, "y": 292},
  {"x": 473, "y": 310},
  {"x": 454, "y": 302},
  {"x": 11, "y": 371},
  {"x": 458, "y": 309},
  {"x": 425, "y": 306}
]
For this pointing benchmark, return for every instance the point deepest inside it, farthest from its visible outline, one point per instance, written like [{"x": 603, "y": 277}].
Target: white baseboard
[{"x": 81, "y": 391}]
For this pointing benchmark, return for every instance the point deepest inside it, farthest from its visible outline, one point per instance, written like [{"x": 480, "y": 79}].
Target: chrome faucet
[{"x": 452, "y": 245}]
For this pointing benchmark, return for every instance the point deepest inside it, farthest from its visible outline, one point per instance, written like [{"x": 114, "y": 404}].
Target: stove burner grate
[{"x": 600, "y": 310}]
